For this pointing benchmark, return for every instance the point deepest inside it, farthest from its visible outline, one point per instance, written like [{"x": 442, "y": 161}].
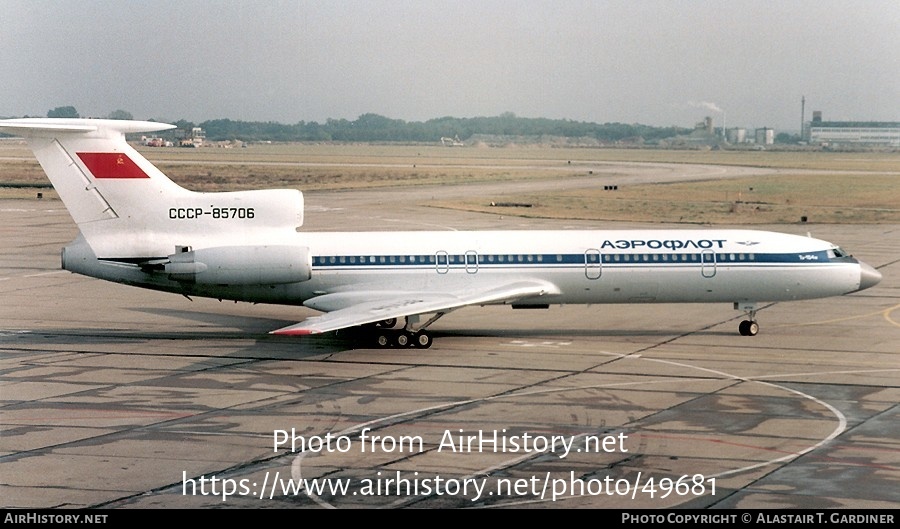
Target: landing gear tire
[
  {"x": 382, "y": 340},
  {"x": 386, "y": 324},
  {"x": 748, "y": 328},
  {"x": 403, "y": 340},
  {"x": 422, "y": 340}
]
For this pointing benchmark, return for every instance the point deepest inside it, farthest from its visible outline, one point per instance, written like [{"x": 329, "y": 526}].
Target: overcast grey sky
[{"x": 639, "y": 61}]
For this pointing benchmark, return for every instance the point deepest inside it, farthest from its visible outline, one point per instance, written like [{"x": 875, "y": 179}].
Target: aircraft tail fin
[{"x": 127, "y": 208}]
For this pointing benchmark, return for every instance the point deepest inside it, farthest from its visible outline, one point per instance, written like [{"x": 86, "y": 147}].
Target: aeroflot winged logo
[{"x": 111, "y": 165}]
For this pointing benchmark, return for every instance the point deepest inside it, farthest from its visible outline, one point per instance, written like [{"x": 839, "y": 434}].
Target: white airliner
[{"x": 139, "y": 228}]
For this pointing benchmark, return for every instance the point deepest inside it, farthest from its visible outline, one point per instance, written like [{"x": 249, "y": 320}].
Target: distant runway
[{"x": 118, "y": 397}]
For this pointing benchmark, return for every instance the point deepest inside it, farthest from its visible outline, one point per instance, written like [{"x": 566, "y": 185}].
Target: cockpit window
[{"x": 838, "y": 252}]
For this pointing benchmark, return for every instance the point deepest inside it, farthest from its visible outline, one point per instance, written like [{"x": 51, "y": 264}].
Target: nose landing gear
[{"x": 748, "y": 327}]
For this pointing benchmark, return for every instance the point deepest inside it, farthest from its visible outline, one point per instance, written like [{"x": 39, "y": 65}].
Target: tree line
[{"x": 376, "y": 128}]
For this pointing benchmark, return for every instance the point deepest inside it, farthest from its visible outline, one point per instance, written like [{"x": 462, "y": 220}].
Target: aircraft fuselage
[{"x": 603, "y": 266}]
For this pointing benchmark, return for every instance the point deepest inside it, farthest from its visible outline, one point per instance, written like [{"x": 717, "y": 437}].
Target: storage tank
[
  {"x": 737, "y": 135},
  {"x": 765, "y": 136}
]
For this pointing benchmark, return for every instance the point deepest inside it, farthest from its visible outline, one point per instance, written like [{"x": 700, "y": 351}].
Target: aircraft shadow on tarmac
[
  {"x": 253, "y": 327},
  {"x": 226, "y": 328}
]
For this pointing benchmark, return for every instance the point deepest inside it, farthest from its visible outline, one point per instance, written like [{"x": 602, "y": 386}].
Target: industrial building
[{"x": 853, "y": 133}]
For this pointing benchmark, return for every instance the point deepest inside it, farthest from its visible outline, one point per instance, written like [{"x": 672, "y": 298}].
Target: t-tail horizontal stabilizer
[{"x": 126, "y": 208}]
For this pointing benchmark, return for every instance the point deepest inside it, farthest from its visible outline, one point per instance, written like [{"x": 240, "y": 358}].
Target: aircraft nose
[{"x": 868, "y": 276}]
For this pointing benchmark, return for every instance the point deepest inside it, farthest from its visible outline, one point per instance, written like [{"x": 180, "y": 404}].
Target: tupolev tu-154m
[{"x": 139, "y": 228}]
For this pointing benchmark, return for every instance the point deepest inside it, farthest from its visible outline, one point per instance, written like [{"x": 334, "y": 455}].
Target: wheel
[
  {"x": 402, "y": 340},
  {"x": 422, "y": 340},
  {"x": 752, "y": 329},
  {"x": 748, "y": 328},
  {"x": 386, "y": 324},
  {"x": 382, "y": 340}
]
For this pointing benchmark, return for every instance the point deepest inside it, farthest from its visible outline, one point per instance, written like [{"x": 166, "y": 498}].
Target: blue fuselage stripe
[{"x": 562, "y": 261}]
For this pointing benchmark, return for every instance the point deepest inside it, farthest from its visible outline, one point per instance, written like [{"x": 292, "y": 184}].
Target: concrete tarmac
[{"x": 117, "y": 397}]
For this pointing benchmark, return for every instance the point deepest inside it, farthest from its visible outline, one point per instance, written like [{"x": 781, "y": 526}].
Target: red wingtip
[{"x": 293, "y": 332}]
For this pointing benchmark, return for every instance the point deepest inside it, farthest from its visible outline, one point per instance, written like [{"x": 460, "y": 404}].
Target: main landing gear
[
  {"x": 748, "y": 327},
  {"x": 400, "y": 338},
  {"x": 383, "y": 335}
]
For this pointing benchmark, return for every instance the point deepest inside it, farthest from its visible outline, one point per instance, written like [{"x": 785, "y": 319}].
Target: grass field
[
  {"x": 824, "y": 187},
  {"x": 831, "y": 198}
]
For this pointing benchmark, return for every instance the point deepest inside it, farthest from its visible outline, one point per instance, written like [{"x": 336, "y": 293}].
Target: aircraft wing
[{"x": 349, "y": 309}]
